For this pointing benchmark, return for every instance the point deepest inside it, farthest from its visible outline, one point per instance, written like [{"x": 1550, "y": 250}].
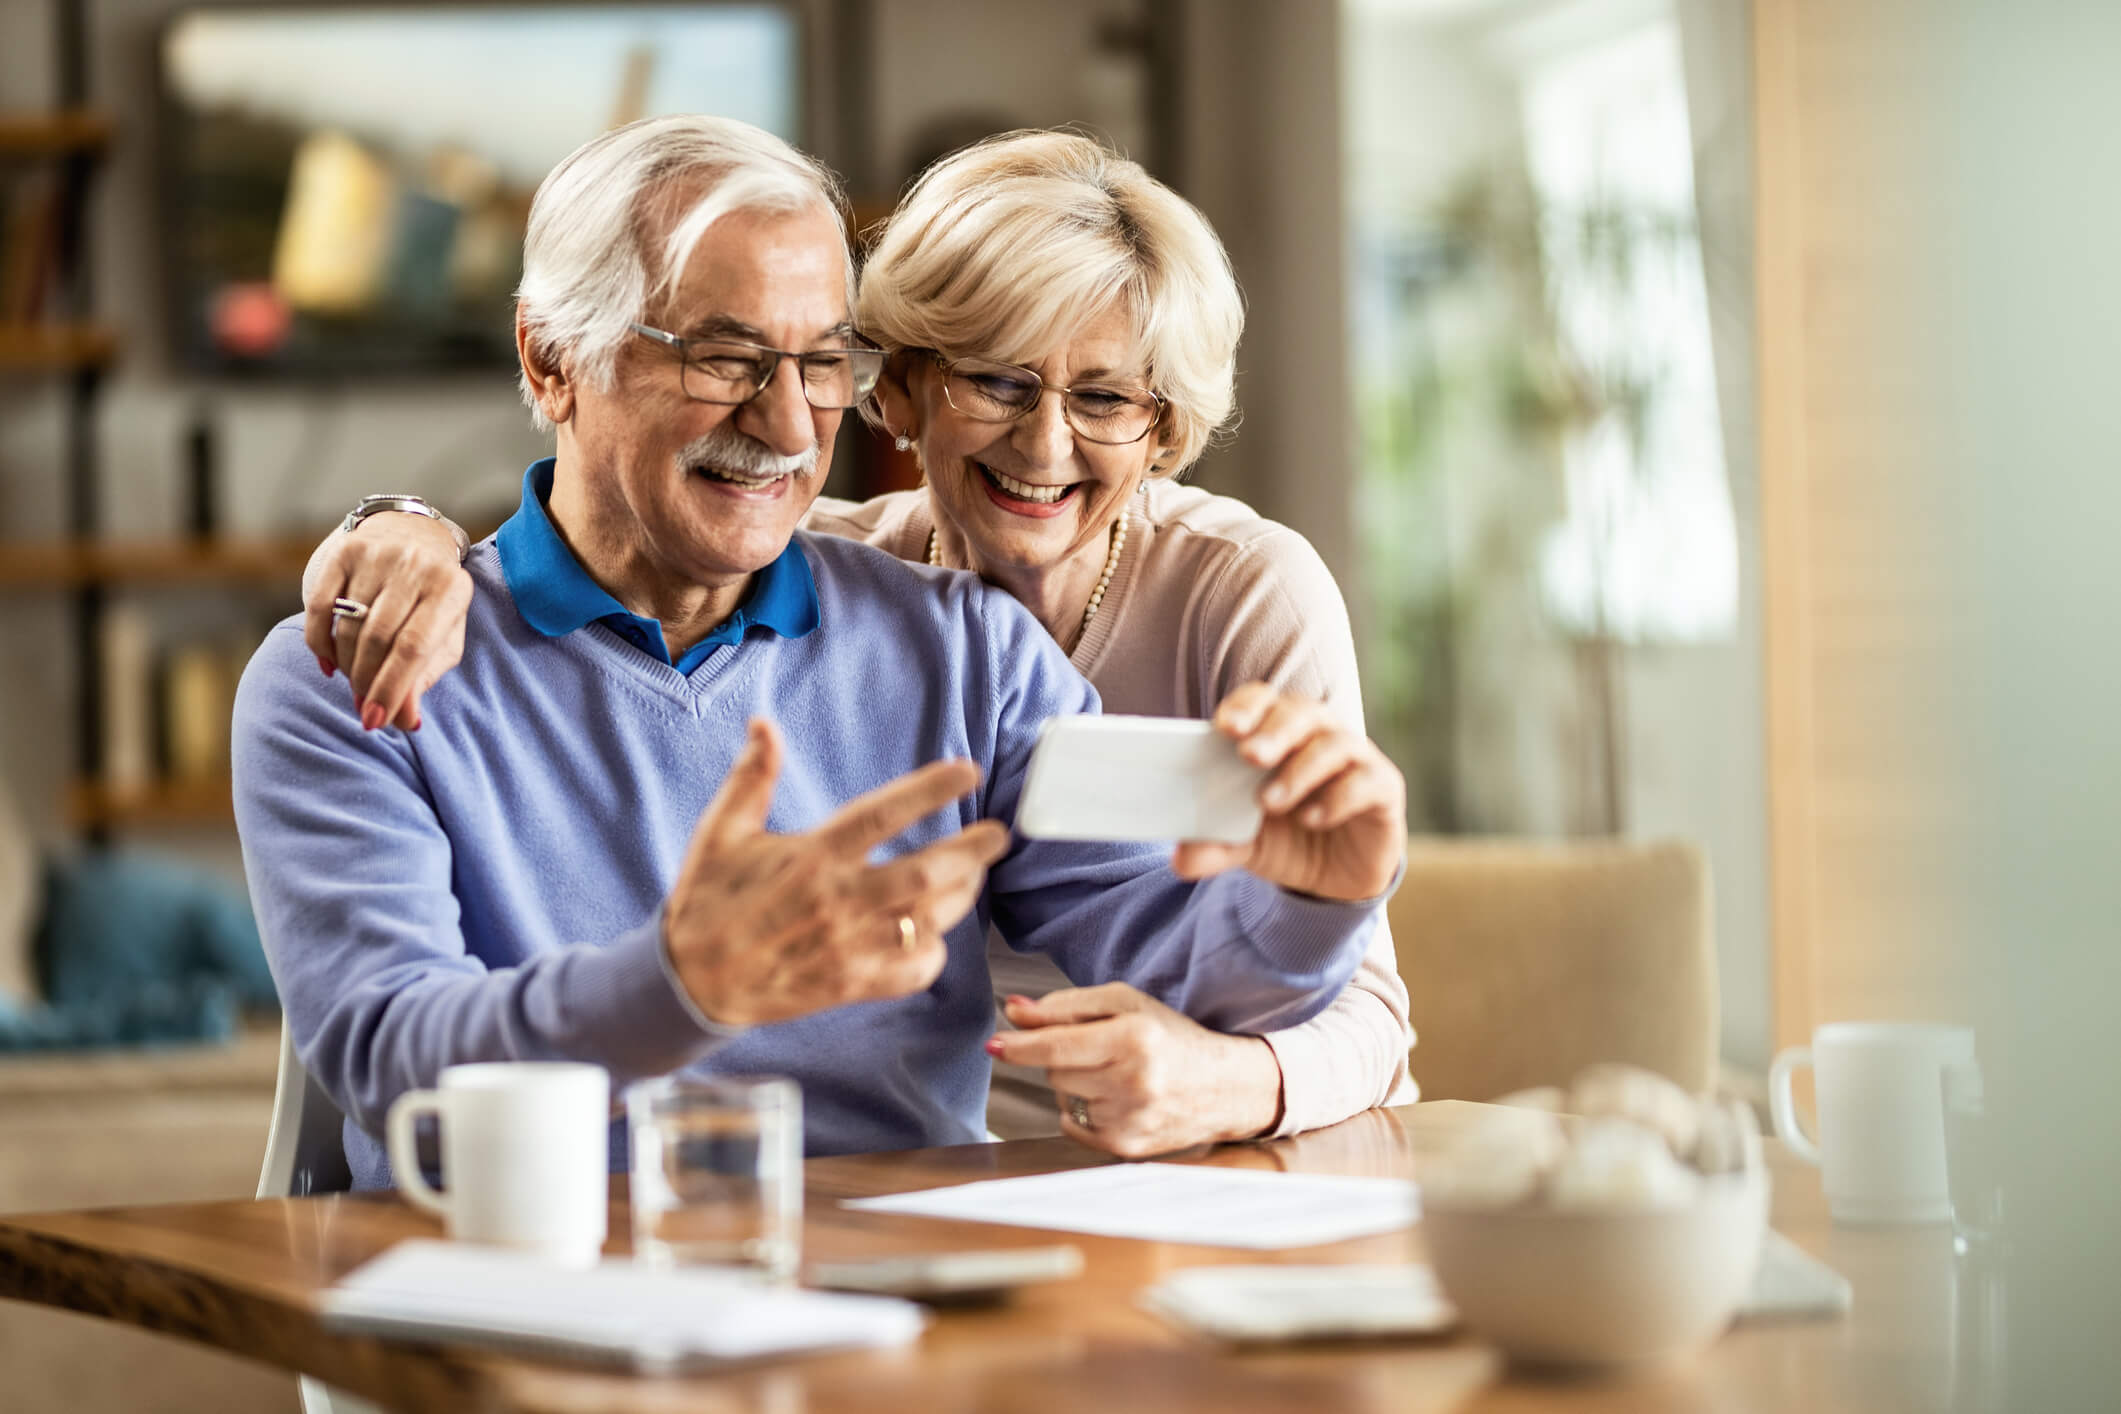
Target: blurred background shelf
[
  {"x": 35, "y": 347},
  {"x": 93, "y": 804},
  {"x": 69, "y": 131},
  {"x": 72, "y": 563}
]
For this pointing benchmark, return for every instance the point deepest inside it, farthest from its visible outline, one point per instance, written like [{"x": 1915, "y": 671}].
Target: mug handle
[
  {"x": 1782, "y": 1105},
  {"x": 405, "y": 1153}
]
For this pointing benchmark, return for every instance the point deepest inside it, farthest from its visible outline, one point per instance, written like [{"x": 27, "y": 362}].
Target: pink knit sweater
[{"x": 1207, "y": 595}]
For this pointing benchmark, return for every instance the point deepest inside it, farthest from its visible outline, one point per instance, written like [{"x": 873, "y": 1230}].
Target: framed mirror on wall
[{"x": 344, "y": 187}]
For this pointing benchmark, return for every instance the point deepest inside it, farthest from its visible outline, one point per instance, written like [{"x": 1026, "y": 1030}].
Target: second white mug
[
  {"x": 1880, "y": 1146},
  {"x": 524, "y": 1155}
]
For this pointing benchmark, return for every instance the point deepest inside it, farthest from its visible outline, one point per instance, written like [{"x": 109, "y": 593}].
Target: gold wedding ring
[{"x": 908, "y": 935}]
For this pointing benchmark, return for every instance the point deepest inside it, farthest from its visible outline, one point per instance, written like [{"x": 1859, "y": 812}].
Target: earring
[{"x": 903, "y": 443}]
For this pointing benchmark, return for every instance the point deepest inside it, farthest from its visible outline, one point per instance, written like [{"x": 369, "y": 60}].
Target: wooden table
[{"x": 244, "y": 1276}]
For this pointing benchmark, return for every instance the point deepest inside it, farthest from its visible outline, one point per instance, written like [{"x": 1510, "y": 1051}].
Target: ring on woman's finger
[
  {"x": 1079, "y": 1111},
  {"x": 908, "y": 935},
  {"x": 351, "y": 610}
]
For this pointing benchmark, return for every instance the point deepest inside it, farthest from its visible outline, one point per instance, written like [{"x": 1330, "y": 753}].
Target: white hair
[
  {"x": 1007, "y": 248},
  {"x": 588, "y": 267}
]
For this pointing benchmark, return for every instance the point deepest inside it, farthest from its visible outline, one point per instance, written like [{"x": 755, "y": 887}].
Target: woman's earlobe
[
  {"x": 894, "y": 400},
  {"x": 899, "y": 423}
]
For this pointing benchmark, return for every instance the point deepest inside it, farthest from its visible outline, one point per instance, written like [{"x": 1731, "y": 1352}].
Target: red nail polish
[
  {"x": 994, "y": 1046},
  {"x": 416, "y": 719},
  {"x": 325, "y": 664},
  {"x": 1014, "y": 1000},
  {"x": 371, "y": 717}
]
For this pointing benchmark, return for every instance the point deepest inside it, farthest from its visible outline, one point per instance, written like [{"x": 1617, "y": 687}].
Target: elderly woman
[{"x": 1062, "y": 333}]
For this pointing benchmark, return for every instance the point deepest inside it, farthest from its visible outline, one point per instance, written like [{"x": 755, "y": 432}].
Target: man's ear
[{"x": 548, "y": 381}]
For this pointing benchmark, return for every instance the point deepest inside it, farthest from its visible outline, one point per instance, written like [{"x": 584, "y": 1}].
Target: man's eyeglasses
[
  {"x": 1115, "y": 414},
  {"x": 730, "y": 371}
]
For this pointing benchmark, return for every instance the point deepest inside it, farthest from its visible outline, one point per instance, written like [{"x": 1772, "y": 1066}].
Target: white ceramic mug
[
  {"x": 1880, "y": 1146},
  {"x": 524, "y": 1154}
]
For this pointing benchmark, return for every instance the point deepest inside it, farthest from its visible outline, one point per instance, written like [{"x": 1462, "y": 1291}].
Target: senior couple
[{"x": 688, "y": 769}]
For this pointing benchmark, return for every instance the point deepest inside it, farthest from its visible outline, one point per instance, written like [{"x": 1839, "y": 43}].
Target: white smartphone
[
  {"x": 944, "y": 1278},
  {"x": 1138, "y": 778}
]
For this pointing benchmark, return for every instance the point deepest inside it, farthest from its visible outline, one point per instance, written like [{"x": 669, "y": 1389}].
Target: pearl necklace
[{"x": 1104, "y": 580}]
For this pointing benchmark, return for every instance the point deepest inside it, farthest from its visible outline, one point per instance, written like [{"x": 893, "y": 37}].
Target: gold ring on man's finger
[{"x": 908, "y": 935}]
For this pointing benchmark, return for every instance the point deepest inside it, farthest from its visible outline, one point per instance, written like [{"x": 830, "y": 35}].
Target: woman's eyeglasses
[{"x": 1114, "y": 414}]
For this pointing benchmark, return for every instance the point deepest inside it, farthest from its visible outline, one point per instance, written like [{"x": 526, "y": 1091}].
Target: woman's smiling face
[{"x": 1032, "y": 494}]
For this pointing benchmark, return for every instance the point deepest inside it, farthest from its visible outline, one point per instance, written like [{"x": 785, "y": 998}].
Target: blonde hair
[
  {"x": 588, "y": 270},
  {"x": 1004, "y": 249}
]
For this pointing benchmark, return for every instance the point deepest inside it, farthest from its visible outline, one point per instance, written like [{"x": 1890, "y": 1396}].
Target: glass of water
[
  {"x": 717, "y": 1173},
  {"x": 1970, "y": 1159}
]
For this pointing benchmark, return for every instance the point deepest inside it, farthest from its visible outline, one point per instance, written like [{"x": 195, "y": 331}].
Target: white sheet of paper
[
  {"x": 1209, "y": 1207},
  {"x": 1303, "y": 1303},
  {"x": 1792, "y": 1282},
  {"x": 615, "y": 1312}
]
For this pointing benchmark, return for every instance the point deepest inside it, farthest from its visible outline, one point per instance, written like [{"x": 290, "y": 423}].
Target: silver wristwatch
[{"x": 412, "y": 505}]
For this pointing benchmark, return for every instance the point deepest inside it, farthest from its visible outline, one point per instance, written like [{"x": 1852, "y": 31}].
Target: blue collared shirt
[{"x": 556, "y": 596}]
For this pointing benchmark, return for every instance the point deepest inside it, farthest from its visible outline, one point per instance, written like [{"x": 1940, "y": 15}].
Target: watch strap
[{"x": 410, "y": 505}]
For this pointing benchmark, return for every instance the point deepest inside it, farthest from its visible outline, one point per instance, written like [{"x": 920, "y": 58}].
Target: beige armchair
[{"x": 1525, "y": 962}]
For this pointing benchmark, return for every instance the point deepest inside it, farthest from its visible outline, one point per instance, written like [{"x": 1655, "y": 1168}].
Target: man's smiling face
[{"x": 708, "y": 492}]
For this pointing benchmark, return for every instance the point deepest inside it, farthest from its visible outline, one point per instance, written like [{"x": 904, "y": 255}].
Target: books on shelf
[
  {"x": 198, "y": 695},
  {"x": 29, "y": 245},
  {"x": 35, "y": 201},
  {"x": 126, "y": 643},
  {"x": 166, "y": 710}
]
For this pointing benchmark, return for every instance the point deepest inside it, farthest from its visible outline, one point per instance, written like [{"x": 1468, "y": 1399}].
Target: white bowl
[{"x": 1584, "y": 1288}]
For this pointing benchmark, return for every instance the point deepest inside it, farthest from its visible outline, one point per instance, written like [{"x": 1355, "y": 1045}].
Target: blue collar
[{"x": 556, "y": 596}]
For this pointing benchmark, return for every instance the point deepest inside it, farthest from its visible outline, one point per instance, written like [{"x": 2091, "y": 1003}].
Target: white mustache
[{"x": 727, "y": 449}]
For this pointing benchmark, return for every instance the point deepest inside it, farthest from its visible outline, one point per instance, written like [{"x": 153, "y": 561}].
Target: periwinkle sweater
[{"x": 491, "y": 887}]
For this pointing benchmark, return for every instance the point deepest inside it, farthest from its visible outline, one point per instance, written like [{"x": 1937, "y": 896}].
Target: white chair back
[{"x": 305, "y": 1153}]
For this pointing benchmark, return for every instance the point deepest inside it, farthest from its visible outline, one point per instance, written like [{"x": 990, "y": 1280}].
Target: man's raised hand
[{"x": 763, "y": 927}]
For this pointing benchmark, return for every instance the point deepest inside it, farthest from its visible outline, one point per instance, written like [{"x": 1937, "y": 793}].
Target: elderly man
[{"x": 597, "y": 848}]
